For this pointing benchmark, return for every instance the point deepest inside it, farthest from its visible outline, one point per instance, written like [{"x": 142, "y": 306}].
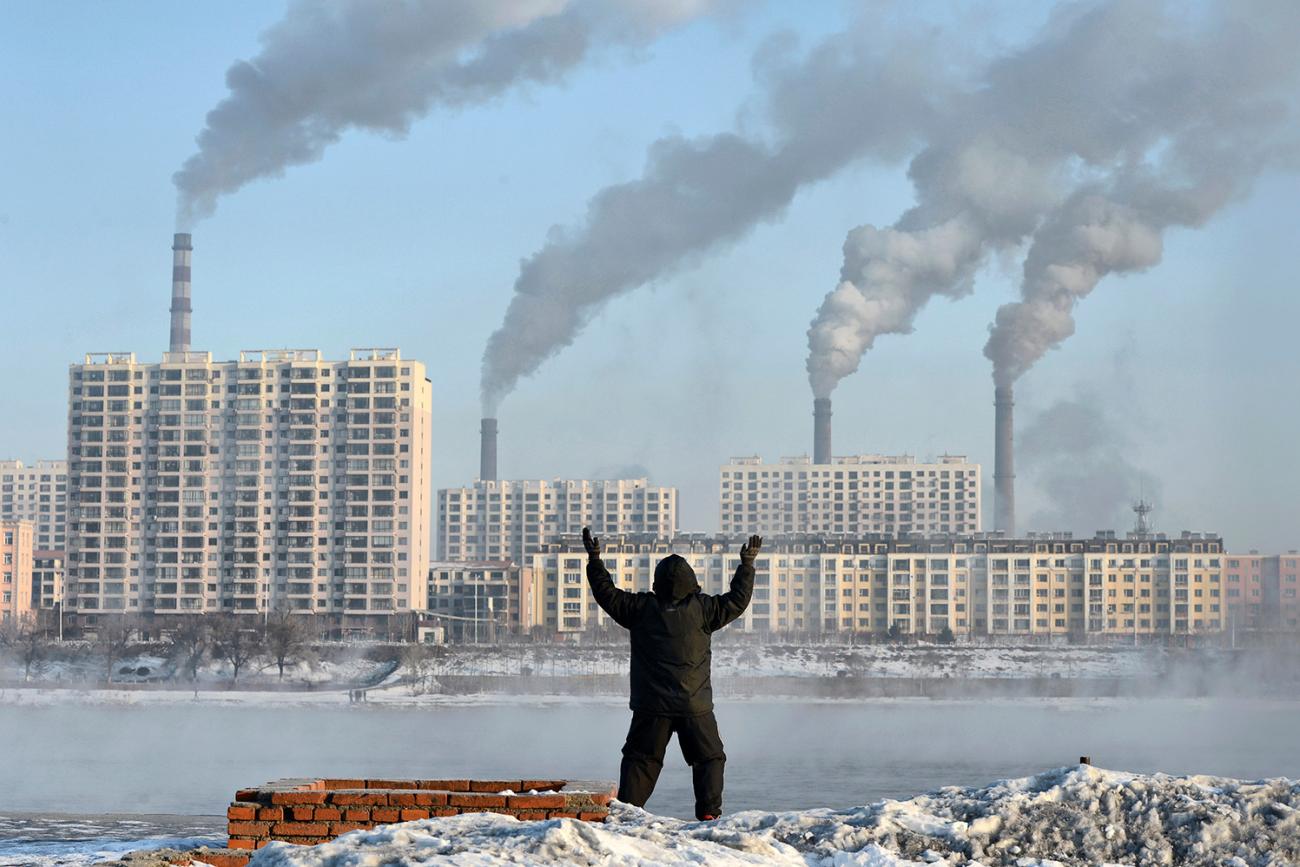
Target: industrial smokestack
[
  {"x": 1004, "y": 461},
  {"x": 487, "y": 455},
  {"x": 180, "y": 336},
  {"x": 822, "y": 430}
]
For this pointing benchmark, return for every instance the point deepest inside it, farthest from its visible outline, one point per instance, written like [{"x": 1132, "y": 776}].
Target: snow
[{"x": 1070, "y": 816}]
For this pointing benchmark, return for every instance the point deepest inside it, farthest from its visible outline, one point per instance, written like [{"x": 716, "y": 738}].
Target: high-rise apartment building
[
  {"x": 15, "y": 569},
  {"x": 47, "y": 579},
  {"x": 1040, "y": 587},
  {"x": 508, "y": 520},
  {"x": 855, "y": 495},
  {"x": 1263, "y": 591},
  {"x": 38, "y": 494},
  {"x": 278, "y": 480}
]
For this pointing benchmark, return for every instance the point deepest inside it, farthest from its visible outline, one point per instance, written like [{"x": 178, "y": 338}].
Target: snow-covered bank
[{"x": 1070, "y": 816}]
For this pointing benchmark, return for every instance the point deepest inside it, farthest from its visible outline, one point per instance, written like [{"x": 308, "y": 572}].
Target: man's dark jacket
[{"x": 671, "y": 632}]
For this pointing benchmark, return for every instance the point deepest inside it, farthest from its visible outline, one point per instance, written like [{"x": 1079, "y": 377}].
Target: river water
[{"x": 77, "y": 772}]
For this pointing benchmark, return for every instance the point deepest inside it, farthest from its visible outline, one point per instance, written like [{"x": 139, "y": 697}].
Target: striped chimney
[{"x": 180, "y": 309}]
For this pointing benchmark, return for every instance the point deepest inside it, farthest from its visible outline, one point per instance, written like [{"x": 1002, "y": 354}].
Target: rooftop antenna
[{"x": 1142, "y": 508}]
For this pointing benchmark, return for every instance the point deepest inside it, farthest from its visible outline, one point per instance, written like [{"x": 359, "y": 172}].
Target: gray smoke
[
  {"x": 1207, "y": 108},
  {"x": 1078, "y": 458},
  {"x": 329, "y": 67},
  {"x": 859, "y": 94},
  {"x": 1121, "y": 118}
]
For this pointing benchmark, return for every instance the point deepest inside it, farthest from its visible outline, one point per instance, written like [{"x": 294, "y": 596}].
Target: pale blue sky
[{"x": 416, "y": 243}]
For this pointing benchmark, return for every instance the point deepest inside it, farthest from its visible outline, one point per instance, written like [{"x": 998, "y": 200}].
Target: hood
[{"x": 674, "y": 579}]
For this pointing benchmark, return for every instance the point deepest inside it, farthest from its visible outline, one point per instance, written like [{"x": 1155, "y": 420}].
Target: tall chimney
[
  {"x": 822, "y": 430},
  {"x": 487, "y": 454},
  {"x": 181, "y": 247},
  {"x": 1004, "y": 461}
]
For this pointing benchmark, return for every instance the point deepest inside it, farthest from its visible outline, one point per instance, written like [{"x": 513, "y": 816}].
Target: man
[{"x": 671, "y": 654}]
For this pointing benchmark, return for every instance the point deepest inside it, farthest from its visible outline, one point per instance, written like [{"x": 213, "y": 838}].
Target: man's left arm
[{"x": 730, "y": 605}]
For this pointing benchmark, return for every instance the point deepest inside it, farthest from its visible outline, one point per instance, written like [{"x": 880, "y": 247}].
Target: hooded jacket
[{"x": 672, "y": 630}]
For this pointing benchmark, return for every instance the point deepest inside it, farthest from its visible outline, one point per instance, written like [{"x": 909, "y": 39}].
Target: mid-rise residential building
[
  {"x": 857, "y": 495},
  {"x": 1040, "y": 587},
  {"x": 280, "y": 480},
  {"x": 47, "y": 579},
  {"x": 508, "y": 520},
  {"x": 1262, "y": 591},
  {"x": 481, "y": 601},
  {"x": 39, "y": 494},
  {"x": 15, "y": 569}
]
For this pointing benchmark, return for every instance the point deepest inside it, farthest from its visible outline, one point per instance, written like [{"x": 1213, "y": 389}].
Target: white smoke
[
  {"x": 858, "y": 94},
  {"x": 380, "y": 65},
  {"x": 1120, "y": 119}
]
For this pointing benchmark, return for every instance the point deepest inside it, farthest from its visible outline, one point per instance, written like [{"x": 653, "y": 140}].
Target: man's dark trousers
[{"x": 643, "y": 758}]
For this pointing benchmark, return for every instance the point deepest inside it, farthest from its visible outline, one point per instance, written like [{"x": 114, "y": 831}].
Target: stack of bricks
[{"x": 314, "y": 811}]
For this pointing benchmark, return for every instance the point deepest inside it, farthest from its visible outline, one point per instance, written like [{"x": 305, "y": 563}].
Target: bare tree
[
  {"x": 114, "y": 634},
  {"x": 191, "y": 641},
  {"x": 235, "y": 642},
  {"x": 24, "y": 639},
  {"x": 287, "y": 637}
]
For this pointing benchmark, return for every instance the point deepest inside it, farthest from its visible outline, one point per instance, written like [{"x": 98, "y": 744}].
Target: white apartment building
[
  {"x": 508, "y": 520},
  {"x": 481, "y": 602},
  {"x": 1043, "y": 588},
  {"x": 278, "y": 480},
  {"x": 38, "y": 494},
  {"x": 856, "y": 495}
]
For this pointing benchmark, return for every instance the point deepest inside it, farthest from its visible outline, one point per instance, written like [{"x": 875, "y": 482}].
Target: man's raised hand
[
  {"x": 750, "y": 550},
  {"x": 590, "y": 542}
]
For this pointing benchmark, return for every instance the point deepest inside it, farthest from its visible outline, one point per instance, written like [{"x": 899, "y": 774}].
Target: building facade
[
  {"x": 483, "y": 601},
  {"x": 1044, "y": 588},
  {"x": 16, "y": 553},
  {"x": 508, "y": 520},
  {"x": 47, "y": 579},
  {"x": 38, "y": 494},
  {"x": 279, "y": 480},
  {"x": 1263, "y": 591},
  {"x": 853, "y": 496}
]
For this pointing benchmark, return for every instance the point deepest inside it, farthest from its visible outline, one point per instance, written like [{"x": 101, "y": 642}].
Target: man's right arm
[{"x": 618, "y": 604}]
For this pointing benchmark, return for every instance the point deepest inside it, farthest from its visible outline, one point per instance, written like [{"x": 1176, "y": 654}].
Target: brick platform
[{"x": 310, "y": 811}]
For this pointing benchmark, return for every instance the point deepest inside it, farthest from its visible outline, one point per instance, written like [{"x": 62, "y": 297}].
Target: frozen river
[{"x": 90, "y": 760}]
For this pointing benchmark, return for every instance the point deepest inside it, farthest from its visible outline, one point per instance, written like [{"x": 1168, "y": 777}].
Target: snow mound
[{"x": 1069, "y": 816}]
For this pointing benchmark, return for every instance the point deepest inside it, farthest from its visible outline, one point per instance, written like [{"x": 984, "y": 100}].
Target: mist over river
[{"x": 181, "y": 759}]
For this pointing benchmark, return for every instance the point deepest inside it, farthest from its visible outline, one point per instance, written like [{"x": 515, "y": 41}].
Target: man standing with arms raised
[{"x": 672, "y": 629}]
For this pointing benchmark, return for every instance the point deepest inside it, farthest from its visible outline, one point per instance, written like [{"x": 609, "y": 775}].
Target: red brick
[
  {"x": 601, "y": 799},
  {"x": 271, "y": 814},
  {"x": 431, "y": 799},
  {"x": 344, "y": 784},
  {"x": 563, "y": 814},
  {"x": 530, "y": 815},
  {"x": 221, "y": 860},
  {"x": 357, "y": 814},
  {"x": 402, "y": 799},
  {"x": 302, "y": 814},
  {"x": 477, "y": 799},
  {"x": 393, "y": 784},
  {"x": 445, "y": 811},
  {"x": 345, "y": 827},
  {"x": 328, "y": 813},
  {"x": 540, "y": 785},
  {"x": 241, "y": 812},
  {"x": 300, "y": 829},
  {"x": 359, "y": 798},
  {"x": 250, "y": 795},
  {"x": 445, "y": 785},
  {"x": 382, "y": 814},
  {"x": 593, "y": 817},
  {"x": 248, "y": 829},
  {"x": 536, "y": 802},
  {"x": 239, "y": 843},
  {"x": 298, "y": 797},
  {"x": 493, "y": 785},
  {"x": 411, "y": 815}
]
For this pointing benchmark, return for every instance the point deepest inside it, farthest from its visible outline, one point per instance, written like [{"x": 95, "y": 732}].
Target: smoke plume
[
  {"x": 1078, "y": 457},
  {"x": 856, "y": 95},
  {"x": 329, "y": 67},
  {"x": 1117, "y": 121}
]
